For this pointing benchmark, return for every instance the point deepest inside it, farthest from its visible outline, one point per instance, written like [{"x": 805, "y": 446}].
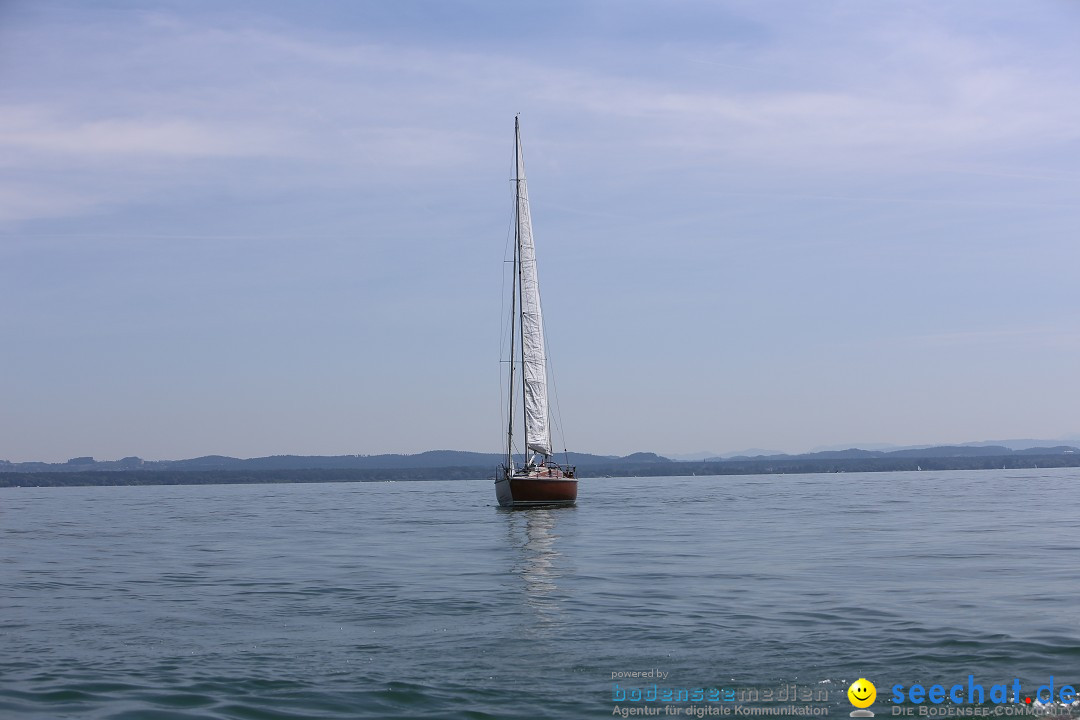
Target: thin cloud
[
  {"x": 1024, "y": 336},
  {"x": 39, "y": 130},
  {"x": 26, "y": 201}
]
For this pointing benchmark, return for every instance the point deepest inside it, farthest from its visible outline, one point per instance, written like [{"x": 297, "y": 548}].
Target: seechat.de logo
[{"x": 862, "y": 694}]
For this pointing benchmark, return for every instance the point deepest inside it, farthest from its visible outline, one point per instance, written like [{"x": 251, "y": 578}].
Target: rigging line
[
  {"x": 519, "y": 172},
  {"x": 505, "y": 404},
  {"x": 503, "y": 326},
  {"x": 558, "y": 423},
  {"x": 516, "y": 297}
]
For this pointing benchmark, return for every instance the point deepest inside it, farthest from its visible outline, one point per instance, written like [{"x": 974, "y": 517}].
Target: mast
[
  {"x": 513, "y": 326},
  {"x": 518, "y": 170}
]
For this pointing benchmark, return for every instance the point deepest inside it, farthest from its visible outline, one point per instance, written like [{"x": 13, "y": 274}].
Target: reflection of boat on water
[
  {"x": 533, "y": 534},
  {"x": 539, "y": 480}
]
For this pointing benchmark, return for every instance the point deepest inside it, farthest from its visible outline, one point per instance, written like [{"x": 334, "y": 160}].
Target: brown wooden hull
[{"x": 519, "y": 491}]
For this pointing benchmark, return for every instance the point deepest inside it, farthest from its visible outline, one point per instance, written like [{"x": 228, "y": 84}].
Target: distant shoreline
[{"x": 764, "y": 466}]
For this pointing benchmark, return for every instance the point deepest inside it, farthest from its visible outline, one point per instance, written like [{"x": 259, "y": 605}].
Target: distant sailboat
[{"x": 539, "y": 480}]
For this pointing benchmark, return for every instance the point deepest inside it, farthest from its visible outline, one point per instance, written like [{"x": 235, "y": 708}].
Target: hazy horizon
[
  {"x": 1013, "y": 443},
  {"x": 255, "y": 228}
]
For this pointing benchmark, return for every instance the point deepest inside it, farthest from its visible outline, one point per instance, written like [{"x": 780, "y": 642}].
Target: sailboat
[{"x": 539, "y": 480}]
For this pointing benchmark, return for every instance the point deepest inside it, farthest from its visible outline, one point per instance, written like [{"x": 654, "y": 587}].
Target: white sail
[{"x": 537, "y": 433}]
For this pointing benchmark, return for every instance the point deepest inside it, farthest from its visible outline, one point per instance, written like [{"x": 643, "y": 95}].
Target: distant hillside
[
  {"x": 458, "y": 465},
  {"x": 217, "y": 463},
  {"x": 944, "y": 451}
]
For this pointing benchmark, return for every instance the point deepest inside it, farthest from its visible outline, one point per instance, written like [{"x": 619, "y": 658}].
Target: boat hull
[{"x": 519, "y": 491}]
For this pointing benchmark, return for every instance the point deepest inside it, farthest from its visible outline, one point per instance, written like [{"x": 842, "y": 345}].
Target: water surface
[{"x": 423, "y": 599}]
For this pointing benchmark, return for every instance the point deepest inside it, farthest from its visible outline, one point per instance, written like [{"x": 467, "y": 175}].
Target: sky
[{"x": 257, "y": 228}]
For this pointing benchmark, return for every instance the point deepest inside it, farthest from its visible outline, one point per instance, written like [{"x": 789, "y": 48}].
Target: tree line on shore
[{"x": 775, "y": 465}]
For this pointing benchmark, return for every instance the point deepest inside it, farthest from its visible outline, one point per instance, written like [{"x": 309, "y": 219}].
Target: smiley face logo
[{"x": 862, "y": 693}]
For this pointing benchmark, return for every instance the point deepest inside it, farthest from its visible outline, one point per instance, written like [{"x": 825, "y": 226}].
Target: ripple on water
[{"x": 378, "y": 600}]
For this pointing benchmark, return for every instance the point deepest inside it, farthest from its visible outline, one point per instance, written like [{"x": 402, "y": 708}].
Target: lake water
[{"x": 425, "y": 600}]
